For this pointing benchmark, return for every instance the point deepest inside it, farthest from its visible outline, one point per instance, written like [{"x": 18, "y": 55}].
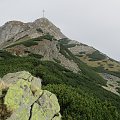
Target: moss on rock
[{"x": 27, "y": 101}]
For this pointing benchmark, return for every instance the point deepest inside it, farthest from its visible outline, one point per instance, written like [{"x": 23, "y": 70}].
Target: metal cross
[{"x": 43, "y": 13}]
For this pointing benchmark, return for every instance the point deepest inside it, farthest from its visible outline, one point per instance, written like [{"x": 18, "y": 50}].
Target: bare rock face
[
  {"x": 48, "y": 49},
  {"x": 10, "y": 29},
  {"x": 81, "y": 48},
  {"x": 16, "y": 30},
  {"x": 48, "y": 27},
  {"x": 112, "y": 83},
  {"x": 25, "y": 100}
]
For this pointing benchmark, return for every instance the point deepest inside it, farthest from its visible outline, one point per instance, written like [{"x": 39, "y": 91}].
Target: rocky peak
[
  {"x": 47, "y": 27},
  {"x": 15, "y": 30}
]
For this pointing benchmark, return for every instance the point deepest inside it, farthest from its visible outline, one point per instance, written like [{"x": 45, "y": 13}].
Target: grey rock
[
  {"x": 14, "y": 30},
  {"x": 27, "y": 101}
]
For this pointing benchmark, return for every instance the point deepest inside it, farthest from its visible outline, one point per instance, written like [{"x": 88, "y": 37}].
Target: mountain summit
[{"x": 15, "y": 30}]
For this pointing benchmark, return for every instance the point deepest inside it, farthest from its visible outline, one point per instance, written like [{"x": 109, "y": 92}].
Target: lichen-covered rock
[
  {"x": 22, "y": 113},
  {"x": 11, "y": 78},
  {"x": 46, "y": 108},
  {"x": 27, "y": 101},
  {"x": 19, "y": 94}
]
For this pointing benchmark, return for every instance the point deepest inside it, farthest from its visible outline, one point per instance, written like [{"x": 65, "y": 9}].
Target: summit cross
[{"x": 43, "y": 13}]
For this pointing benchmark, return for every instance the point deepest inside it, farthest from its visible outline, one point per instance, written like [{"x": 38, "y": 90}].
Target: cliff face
[
  {"x": 10, "y": 29},
  {"x": 21, "y": 98}
]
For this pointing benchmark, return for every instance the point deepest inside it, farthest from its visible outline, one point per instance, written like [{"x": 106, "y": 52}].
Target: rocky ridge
[
  {"x": 16, "y": 30},
  {"x": 21, "y": 97}
]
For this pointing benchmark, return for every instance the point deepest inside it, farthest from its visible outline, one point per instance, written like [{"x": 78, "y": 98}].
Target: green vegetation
[
  {"x": 81, "y": 52},
  {"x": 79, "y": 55},
  {"x": 86, "y": 70},
  {"x": 64, "y": 41},
  {"x": 118, "y": 83},
  {"x": 95, "y": 56},
  {"x": 29, "y": 43},
  {"x": 5, "y": 55},
  {"x": 80, "y": 95},
  {"x": 110, "y": 65},
  {"x": 77, "y": 105},
  {"x": 39, "y": 30},
  {"x": 64, "y": 51},
  {"x": 57, "y": 61},
  {"x": 101, "y": 69},
  {"x": 47, "y": 37},
  {"x": 118, "y": 90},
  {"x": 70, "y": 45},
  {"x": 33, "y": 41},
  {"x": 35, "y": 55}
]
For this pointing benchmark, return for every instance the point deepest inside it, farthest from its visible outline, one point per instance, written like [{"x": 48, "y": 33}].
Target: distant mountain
[{"x": 42, "y": 49}]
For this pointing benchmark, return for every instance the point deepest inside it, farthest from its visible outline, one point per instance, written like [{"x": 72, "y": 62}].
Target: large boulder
[{"x": 25, "y": 100}]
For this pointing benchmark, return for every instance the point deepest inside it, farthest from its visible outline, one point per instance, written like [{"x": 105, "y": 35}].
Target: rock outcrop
[
  {"x": 113, "y": 83},
  {"x": 50, "y": 50},
  {"x": 15, "y": 30},
  {"x": 22, "y": 98}
]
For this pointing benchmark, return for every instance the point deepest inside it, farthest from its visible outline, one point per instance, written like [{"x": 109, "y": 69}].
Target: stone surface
[
  {"x": 46, "y": 107},
  {"x": 113, "y": 83},
  {"x": 10, "y": 29},
  {"x": 48, "y": 49},
  {"x": 27, "y": 101},
  {"x": 15, "y": 30},
  {"x": 81, "y": 48}
]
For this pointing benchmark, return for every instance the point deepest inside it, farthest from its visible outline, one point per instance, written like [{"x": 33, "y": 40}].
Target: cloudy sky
[{"x": 94, "y": 22}]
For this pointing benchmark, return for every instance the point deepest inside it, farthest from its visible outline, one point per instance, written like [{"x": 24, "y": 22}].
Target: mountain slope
[
  {"x": 15, "y": 30},
  {"x": 65, "y": 64},
  {"x": 43, "y": 38},
  {"x": 98, "y": 61}
]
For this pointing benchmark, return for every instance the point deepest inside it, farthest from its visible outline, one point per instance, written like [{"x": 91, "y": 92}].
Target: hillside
[
  {"x": 98, "y": 61},
  {"x": 86, "y": 81}
]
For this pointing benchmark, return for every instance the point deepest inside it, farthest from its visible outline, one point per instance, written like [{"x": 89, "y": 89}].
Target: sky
[{"x": 93, "y": 22}]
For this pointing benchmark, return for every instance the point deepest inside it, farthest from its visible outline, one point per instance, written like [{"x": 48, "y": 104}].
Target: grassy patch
[
  {"x": 96, "y": 56},
  {"x": 101, "y": 69},
  {"x": 64, "y": 41}
]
